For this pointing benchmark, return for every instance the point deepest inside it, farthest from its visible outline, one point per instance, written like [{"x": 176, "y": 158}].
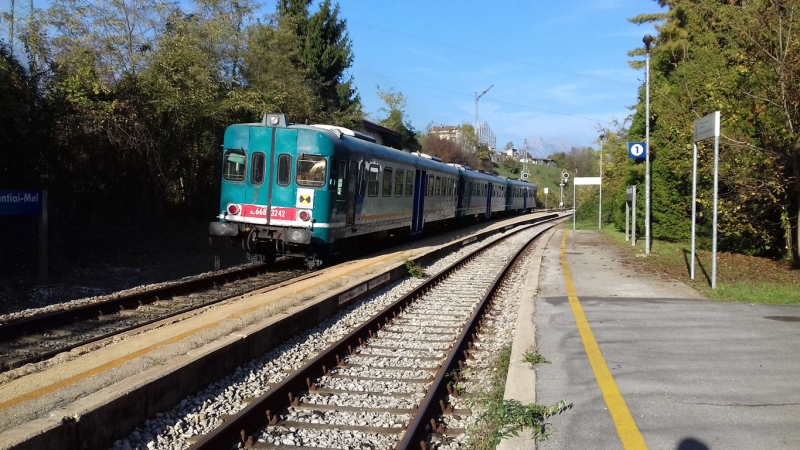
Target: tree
[
  {"x": 448, "y": 151},
  {"x": 740, "y": 58},
  {"x": 325, "y": 54},
  {"x": 511, "y": 164},
  {"x": 395, "y": 119}
]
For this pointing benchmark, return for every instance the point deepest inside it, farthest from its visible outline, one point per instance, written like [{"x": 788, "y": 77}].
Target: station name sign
[
  {"x": 706, "y": 127},
  {"x": 20, "y": 202}
]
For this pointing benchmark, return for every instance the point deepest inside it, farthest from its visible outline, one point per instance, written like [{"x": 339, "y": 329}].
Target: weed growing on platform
[
  {"x": 415, "y": 270},
  {"x": 532, "y": 356},
  {"x": 505, "y": 418}
]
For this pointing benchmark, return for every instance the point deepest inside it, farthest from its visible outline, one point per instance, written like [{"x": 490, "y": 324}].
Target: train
[{"x": 315, "y": 190}]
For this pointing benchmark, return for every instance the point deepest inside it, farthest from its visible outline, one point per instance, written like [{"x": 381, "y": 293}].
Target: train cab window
[
  {"x": 438, "y": 190},
  {"x": 372, "y": 191},
  {"x": 409, "y": 183},
  {"x": 233, "y": 168},
  {"x": 284, "y": 169},
  {"x": 430, "y": 186},
  {"x": 387, "y": 182},
  {"x": 311, "y": 170},
  {"x": 398, "y": 183},
  {"x": 257, "y": 167}
]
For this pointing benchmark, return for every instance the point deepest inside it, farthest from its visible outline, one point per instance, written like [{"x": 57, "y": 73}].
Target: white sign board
[
  {"x": 545, "y": 190},
  {"x": 707, "y": 127},
  {"x": 587, "y": 181}
]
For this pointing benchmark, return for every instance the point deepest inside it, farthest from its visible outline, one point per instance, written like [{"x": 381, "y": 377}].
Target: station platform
[{"x": 645, "y": 361}]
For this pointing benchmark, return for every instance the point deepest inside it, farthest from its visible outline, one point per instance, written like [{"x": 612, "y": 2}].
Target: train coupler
[{"x": 312, "y": 262}]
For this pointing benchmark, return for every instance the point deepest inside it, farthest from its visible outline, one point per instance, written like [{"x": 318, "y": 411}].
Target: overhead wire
[{"x": 487, "y": 98}]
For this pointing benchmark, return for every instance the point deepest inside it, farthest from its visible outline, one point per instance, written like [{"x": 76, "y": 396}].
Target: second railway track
[{"x": 33, "y": 339}]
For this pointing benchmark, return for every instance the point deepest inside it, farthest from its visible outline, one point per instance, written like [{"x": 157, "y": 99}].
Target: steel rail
[
  {"x": 435, "y": 402},
  {"x": 263, "y": 411},
  {"x": 24, "y": 327}
]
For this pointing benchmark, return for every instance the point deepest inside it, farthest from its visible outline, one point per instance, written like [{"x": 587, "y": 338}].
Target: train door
[
  {"x": 418, "y": 213},
  {"x": 355, "y": 193},
  {"x": 489, "y": 200},
  {"x": 524, "y": 200},
  {"x": 256, "y": 200}
]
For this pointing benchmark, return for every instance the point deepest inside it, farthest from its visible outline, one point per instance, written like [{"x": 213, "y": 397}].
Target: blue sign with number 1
[{"x": 637, "y": 150}]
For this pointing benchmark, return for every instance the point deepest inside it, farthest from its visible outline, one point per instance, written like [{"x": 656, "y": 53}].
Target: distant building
[
  {"x": 446, "y": 132},
  {"x": 543, "y": 162}
]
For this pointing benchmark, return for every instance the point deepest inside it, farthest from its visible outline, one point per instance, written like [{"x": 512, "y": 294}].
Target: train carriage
[
  {"x": 301, "y": 189},
  {"x": 480, "y": 195},
  {"x": 520, "y": 196}
]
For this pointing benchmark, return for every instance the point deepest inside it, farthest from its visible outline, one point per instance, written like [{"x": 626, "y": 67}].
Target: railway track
[
  {"x": 33, "y": 339},
  {"x": 385, "y": 384}
]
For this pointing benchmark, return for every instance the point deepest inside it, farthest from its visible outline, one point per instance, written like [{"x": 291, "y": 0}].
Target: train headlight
[
  {"x": 304, "y": 216},
  {"x": 234, "y": 209},
  {"x": 297, "y": 236}
]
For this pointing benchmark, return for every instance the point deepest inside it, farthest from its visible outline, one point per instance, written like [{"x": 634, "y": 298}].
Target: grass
[
  {"x": 504, "y": 418},
  {"x": 740, "y": 278},
  {"x": 415, "y": 270},
  {"x": 532, "y": 356}
]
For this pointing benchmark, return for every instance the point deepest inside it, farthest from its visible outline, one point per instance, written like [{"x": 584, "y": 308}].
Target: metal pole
[
  {"x": 627, "y": 218},
  {"x": 43, "y": 250},
  {"x": 714, "y": 233},
  {"x": 600, "y": 206},
  {"x": 633, "y": 221},
  {"x": 574, "y": 210},
  {"x": 478, "y": 97},
  {"x": 694, "y": 205},
  {"x": 647, "y": 159}
]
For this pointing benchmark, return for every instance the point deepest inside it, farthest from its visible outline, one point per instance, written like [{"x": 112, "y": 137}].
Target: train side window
[
  {"x": 438, "y": 190},
  {"x": 372, "y": 191},
  {"x": 387, "y": 182},
  {"x": 311, "y": 170},
  {"x": 233, "y": 168},
  {"x": 398, "y": 183},
  {"x": 284, "y": 169},
  {"x": 340, "y": 180},
  {"x": 430, "y": 186},
  {"x": 257, "y": 167},
  {"x": 409, "y": 183}
]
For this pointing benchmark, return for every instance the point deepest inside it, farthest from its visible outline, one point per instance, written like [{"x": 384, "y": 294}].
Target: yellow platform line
[{"x": 627, "y": 430}]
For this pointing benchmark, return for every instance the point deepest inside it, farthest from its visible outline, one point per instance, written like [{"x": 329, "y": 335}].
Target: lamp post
[
  {"x": 647, "y": 41},
  {"x": 478, "y": 97},
  {"x": 600, "y": 206}
]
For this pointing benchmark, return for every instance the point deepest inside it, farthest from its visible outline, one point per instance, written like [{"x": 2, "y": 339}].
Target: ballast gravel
[{"x": 200, "y": 413}]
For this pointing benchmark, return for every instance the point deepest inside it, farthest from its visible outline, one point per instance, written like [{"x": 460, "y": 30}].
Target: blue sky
[{"x": 559, "y": 68}]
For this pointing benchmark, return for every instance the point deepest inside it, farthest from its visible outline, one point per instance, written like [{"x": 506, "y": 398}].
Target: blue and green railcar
[{"x": 291, "y": 189}]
